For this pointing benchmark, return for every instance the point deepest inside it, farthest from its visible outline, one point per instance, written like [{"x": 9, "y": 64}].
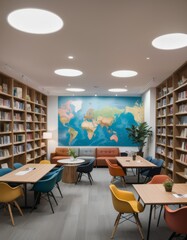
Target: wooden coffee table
[{"x": 70, "y": 169}]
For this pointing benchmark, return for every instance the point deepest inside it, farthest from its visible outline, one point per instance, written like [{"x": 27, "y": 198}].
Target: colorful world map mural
[{"x": 97, "y": 121}]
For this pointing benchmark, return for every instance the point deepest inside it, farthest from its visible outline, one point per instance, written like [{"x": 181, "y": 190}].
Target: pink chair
[{"x": 176, "y": 220}]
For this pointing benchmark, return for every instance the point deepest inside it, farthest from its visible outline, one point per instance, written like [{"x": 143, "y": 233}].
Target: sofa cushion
[
  {"x": 100, "y": 152},
  {"x": 61, "y": 152},
  {"x": 87, "y": 151}
]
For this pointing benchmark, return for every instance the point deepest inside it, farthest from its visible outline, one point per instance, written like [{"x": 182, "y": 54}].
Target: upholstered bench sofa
[{"x": 87, "y": 153}]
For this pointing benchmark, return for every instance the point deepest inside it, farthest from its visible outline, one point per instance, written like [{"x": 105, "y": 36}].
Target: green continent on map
[
  {"x": 108, "y": 112},
  {"x": 73, "y": 133},
  {"x": 90, "y": 127}
]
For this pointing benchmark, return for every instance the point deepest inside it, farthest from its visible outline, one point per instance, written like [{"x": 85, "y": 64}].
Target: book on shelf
[
  {"x": 4, "y": 165},
  {"x": 4, "y": 127},
  {"x": 4, "y": 153},
  {"x": 5, "y": 87},
  {"x": 183, "y": 158},
  {"x": 18, "y": 92},
  {"x": 184, "y": 133},
  {"x": 4, "y": 139},
  {"x": 4, "y": 102}
]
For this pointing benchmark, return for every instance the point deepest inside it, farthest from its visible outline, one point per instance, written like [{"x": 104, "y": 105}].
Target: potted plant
[
  {"x": 72, "y": 153},
  {"x": 168, "y": 184},
  {"x": 139, "y": 134}
]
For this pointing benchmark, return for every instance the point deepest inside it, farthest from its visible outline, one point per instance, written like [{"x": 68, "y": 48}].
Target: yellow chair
[
  {"x": 45, "y": 162},
  {"x": 8, "y": 195},
  {"x": 125, "y": 202}
]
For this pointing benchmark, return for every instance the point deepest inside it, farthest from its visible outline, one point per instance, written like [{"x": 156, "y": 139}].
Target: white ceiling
[{"x": 103, "y": 36}]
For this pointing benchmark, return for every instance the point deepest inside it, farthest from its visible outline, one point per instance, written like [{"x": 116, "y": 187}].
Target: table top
[
  {"x": 29, "y": 173},
  {"x": 156, "y": 194},
  {"x": 71, "y": 161},
  {"x": 140, "y": 162}
]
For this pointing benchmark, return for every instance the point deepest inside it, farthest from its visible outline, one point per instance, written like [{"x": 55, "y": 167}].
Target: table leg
[
  {"x": 25, "y": 194},
  {"x": 149, "y": 224},
  {"x": 138, "y": 175}
]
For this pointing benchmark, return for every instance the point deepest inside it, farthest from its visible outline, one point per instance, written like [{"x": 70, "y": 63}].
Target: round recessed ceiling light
[
  {"x": 68, "y": 72},
  {"x": 170, "y": 41},
  {"x": 117, "y": 90},
  {"x": 36, "y": 21},
  {"x": 124, "y": 73},
  {"x": 75, "y": 89},
  {"x": 71, "y": 57}
]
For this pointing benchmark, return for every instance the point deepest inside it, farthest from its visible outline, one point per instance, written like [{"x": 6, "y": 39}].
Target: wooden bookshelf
[
  {"x": 171, "y": 124},
  {"x": 23, "y": 119}
]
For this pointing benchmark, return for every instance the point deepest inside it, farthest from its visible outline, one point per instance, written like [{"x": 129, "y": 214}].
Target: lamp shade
[{"x": 47, "y": 135}]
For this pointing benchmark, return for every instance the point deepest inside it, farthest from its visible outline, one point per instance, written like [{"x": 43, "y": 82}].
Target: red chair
[
  {"x": 176, "y": 221},
  {"x": 116, "y": 171}
]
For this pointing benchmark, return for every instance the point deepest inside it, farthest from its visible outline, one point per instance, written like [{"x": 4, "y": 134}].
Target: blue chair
[
  {"x": 45, "y": 186},
  {"x": 4, "y": 171},
  {"x": 58, "y": 170},
  {"x": 17, "y": 165},
  {"x": 149, "y": 173},
  {"x": 87, "y": 169}
]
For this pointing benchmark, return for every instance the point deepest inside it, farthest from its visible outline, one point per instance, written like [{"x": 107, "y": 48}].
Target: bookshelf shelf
[
  {"x": 20, "y": 105},
  {"x": 173, "y": 93}
]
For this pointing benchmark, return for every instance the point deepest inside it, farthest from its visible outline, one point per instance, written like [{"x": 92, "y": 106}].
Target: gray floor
[{"x": 85, "y": 213}]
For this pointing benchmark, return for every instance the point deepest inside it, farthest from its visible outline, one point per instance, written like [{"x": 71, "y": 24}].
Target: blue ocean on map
[{"x": 97, "y": 121}]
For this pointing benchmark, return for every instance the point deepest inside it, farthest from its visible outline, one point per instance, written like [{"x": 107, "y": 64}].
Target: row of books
[
  {"x": 17, "y": 92},
  {"x": 18, "y": 127},
  {"x": 5, "y": 115},
  {"x": 162, "y": 102},
  {"x": 4, "y": 153},
  {"x": 4, "y": 87},
  {"x": 4, "y": 127},
  {"x": 184, "y": 133},
  {"x": 182, "y": 95},
  {"x": 183, "y": 108},
  {"x": 19, "y": 105},
  {"x": 5, "y": 102},
  {"x": 19, "y": 137},
  {"x": 5, "y": 139},
  {"x": 183, "y": 158},
  {"x": 160, "y": 150},
  {"x": 18, "y": 149},
  {"x": 184, "y": 145},
  {"x": 18, "y": 116}
]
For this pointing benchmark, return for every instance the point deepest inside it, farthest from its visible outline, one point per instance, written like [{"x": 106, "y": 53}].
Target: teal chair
[
  {"x": 45, "y": 187},
  {"x": 4, "y": 171},
  {"x": 17, "y": 165},
  {"x": 59, "y": 172}
]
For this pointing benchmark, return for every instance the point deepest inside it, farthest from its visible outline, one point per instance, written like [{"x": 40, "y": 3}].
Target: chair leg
[
  {"x": 18, "y": 207},
  {"x": 10, "y": 212},
  {"x": 172, "y": 236},
  {"x": 116, "y": 225},
  {"x": 138, "y": 224},
  {"x": 161, "y": 207},
  {"x": 36, "y": 201},
  {"x": 59, "y": 189},
  {"x": 54, "y": 197},
  {"x": 89, "y": 177},
  {"x": 123, "y": 181},
  {"x": 50, "y": 202}
]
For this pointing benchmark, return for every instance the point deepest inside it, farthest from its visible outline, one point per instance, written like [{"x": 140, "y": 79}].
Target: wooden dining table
[
  {"x": 139, "y": 163},
  {"x": 29, "y": 173},
  {"x": 155, "y": 194}
]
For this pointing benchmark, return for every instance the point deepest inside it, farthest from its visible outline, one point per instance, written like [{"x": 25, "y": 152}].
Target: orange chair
[
  {"x": 176, "y": 220},
  {"x": 115, "y": 171},
  {"x": 125, "y": 202},
  {"x": 158, "y": 179}
]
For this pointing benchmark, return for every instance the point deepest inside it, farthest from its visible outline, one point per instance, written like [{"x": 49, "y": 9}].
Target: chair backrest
[
  {"x": 46, "y": 185},
  {"x": 4, "y": 171},
  {"x": 113, "y": 169},
  {"x": 8, "y": 194},
  {"x": 158, "y": 179},
  {"x": 176, "y": 219},
  {"x": 45, "y": 162},
  {"x": 86, "y": 168},
  {"x": 120, "y": 205},
  {"x": 17, "y": 165},
  {"x": 158, "y": 162},
  {"x": 59, "y": 175},
  {"x": 149, "y": 158}
]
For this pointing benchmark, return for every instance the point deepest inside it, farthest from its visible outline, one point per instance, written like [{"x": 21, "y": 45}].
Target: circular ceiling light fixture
[
  {"x": 75, "y": 89},
  {"x": 170, "y": 41},
  {"x": 68, "y": 72},
  {"x": 117, "y": 90},
  {"x": 36, "y": 21},
  {"x": 71, "y": 57},
  {"x": 124, "y": 73}
]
